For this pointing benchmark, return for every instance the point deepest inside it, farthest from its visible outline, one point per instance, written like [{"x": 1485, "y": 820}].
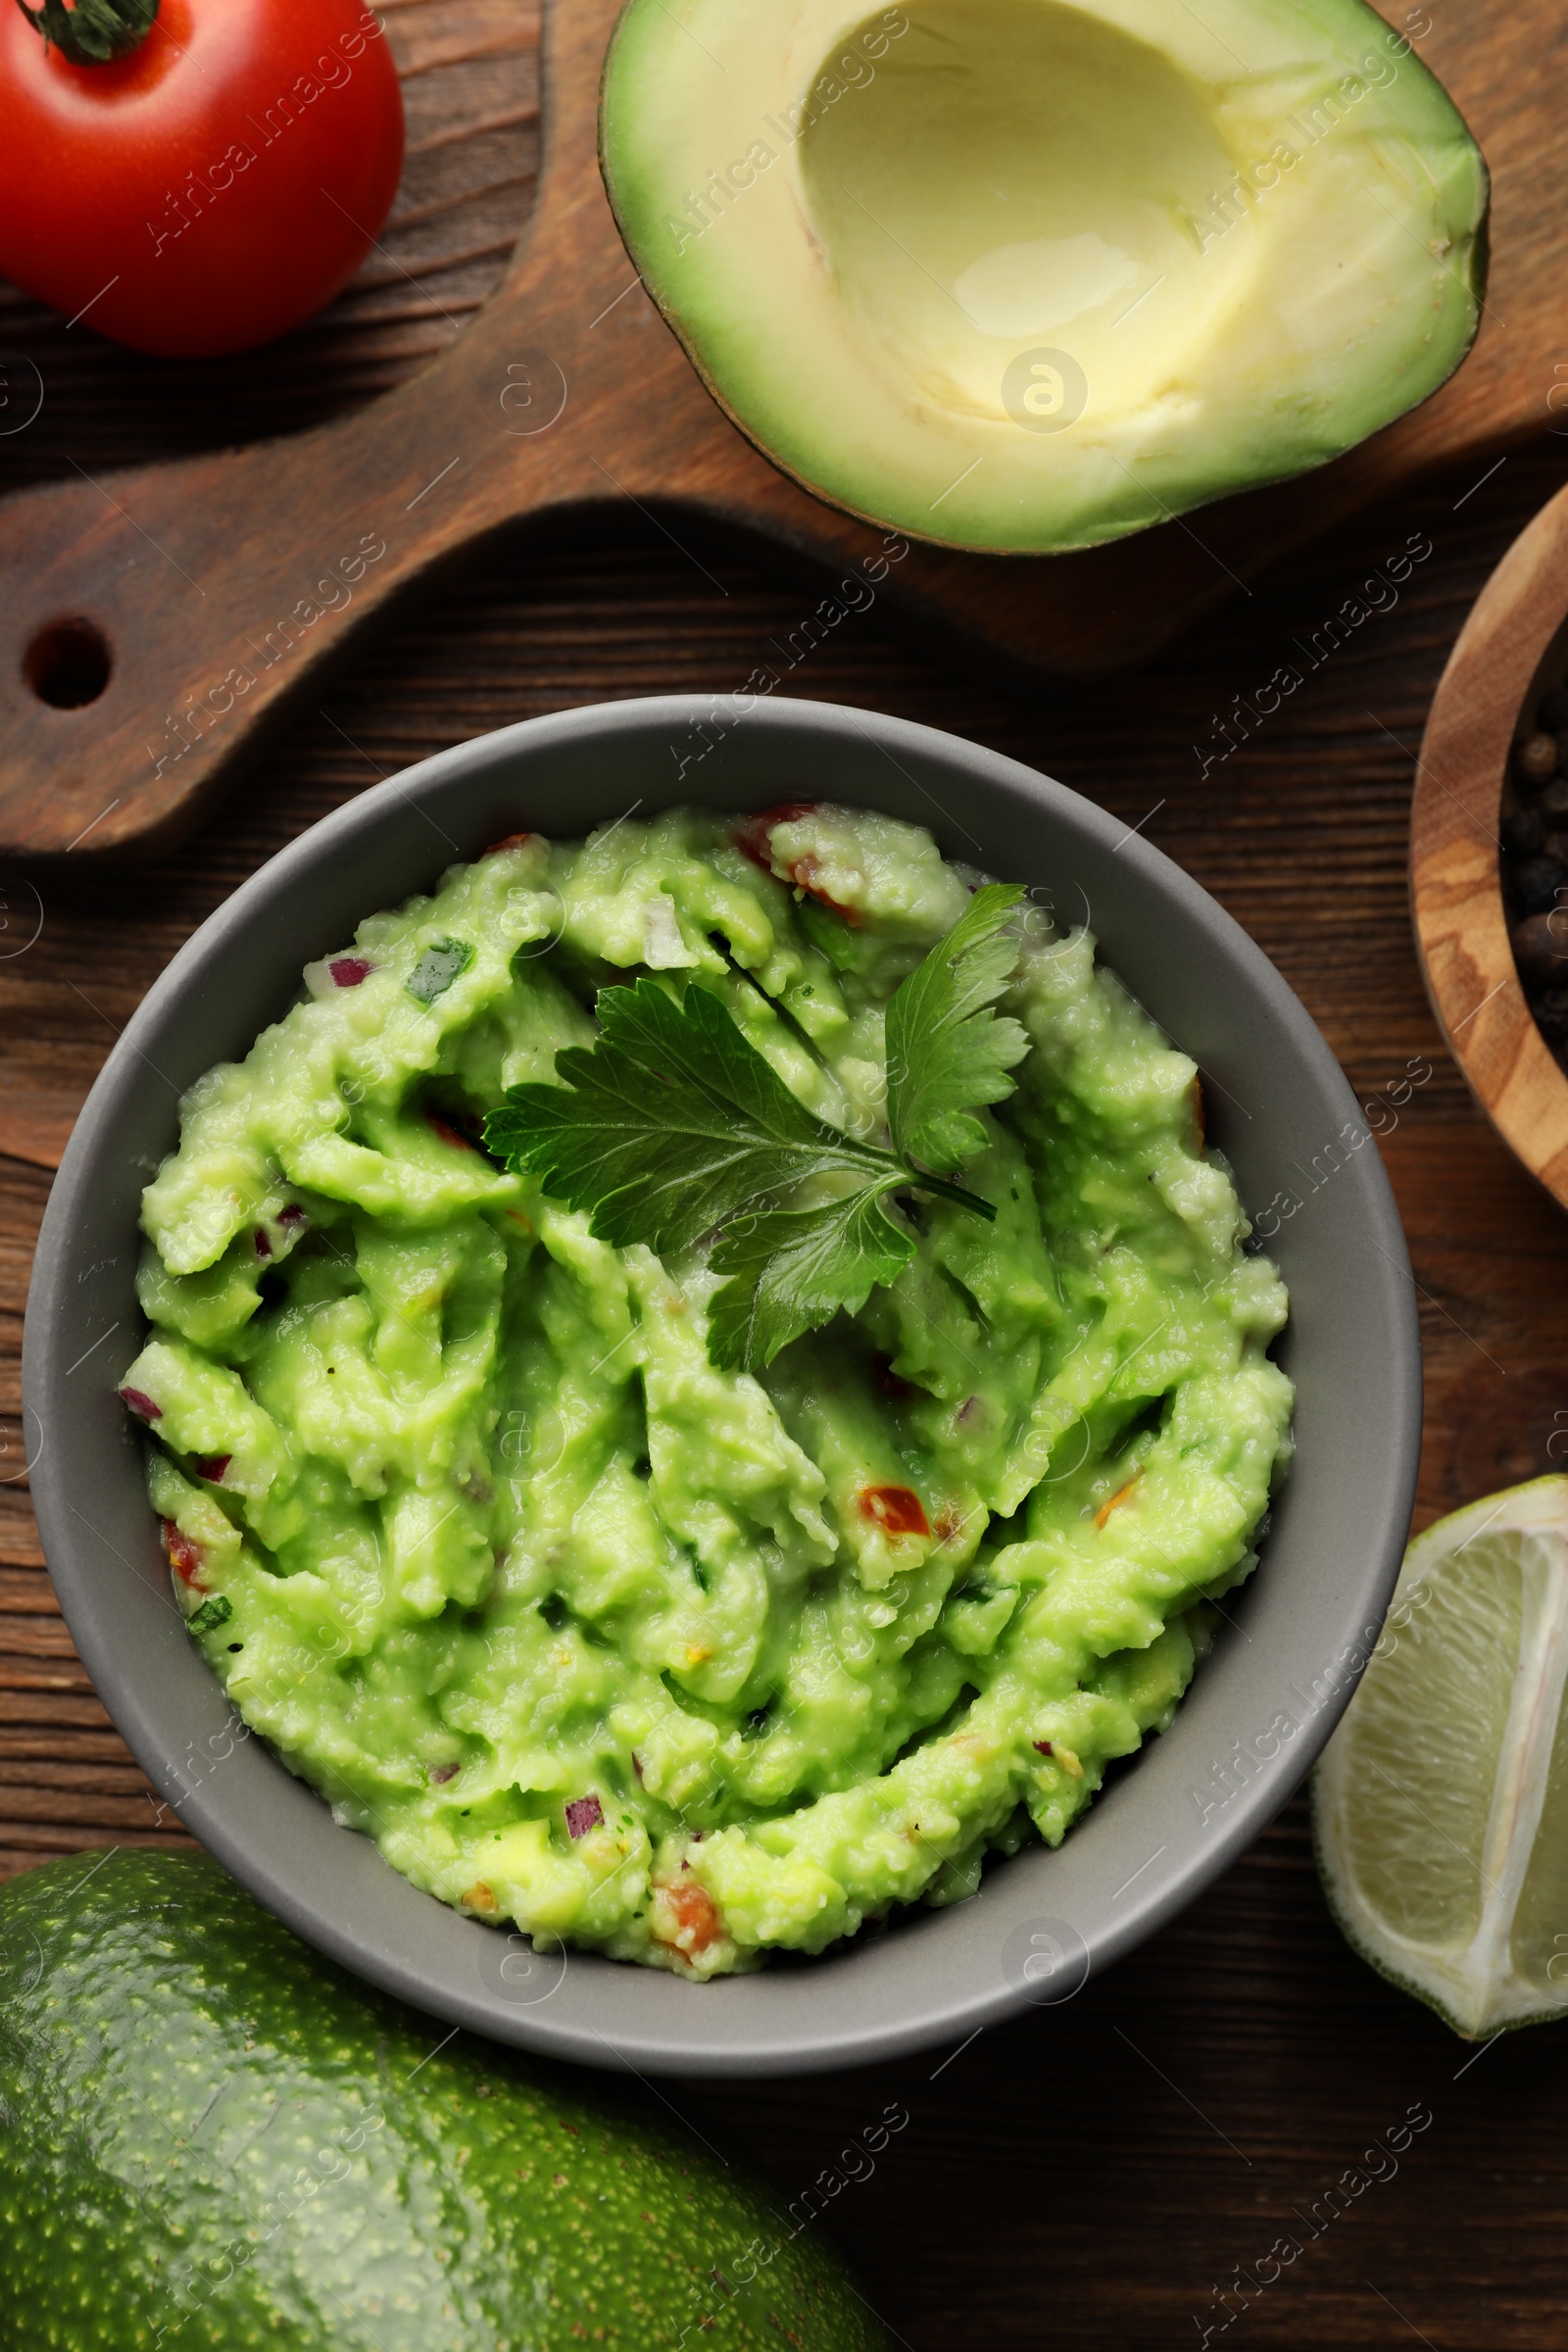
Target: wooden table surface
[{"x": 1090, "y": 2176}]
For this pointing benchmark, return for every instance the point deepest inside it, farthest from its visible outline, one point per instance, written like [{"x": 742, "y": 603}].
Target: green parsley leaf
[
  {"x": 793, "y": 1268},
  {"x": 443, "y": 961},
  {"x": 673, "y": 1125},
  {"x": 948, "y": 1051},
  {"x": 670, "y": 1124},
  {"x": 212, "y": 1614}
]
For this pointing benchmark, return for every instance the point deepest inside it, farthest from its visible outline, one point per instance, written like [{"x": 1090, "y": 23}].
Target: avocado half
[{"x": 1020, "y": 276}]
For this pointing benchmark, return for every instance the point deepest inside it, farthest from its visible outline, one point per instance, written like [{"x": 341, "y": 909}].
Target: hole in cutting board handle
[{"x": 68, "y": 663}]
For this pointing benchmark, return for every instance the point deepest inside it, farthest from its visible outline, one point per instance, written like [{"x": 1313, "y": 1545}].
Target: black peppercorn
[
  {"x": 1540, "y": 948},
  {"x": 1523, "y": 833},
  {"x": 1537, "y": 882},
  {"x": 1551, "y": 1015},
  {"x": 1535, "y": 757}
]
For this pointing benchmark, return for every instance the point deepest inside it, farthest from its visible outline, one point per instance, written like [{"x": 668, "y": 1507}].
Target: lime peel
[{"x": 1440, "y": 1803}]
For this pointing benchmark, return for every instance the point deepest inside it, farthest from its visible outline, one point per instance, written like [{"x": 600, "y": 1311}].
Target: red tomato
[
  {"x": 897, "y": 1510},
  {"x": 210, "y": 190},
  {"x": 755, "y": 834},
  {"x": 185, "y": 1557},
  {"x": 696, "y": 1920}
]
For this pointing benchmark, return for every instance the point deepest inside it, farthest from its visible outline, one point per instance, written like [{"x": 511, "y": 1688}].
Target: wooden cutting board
[{"x": 211, "y": 592}]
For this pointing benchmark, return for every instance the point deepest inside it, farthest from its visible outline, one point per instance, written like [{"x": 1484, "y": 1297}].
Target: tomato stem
[{"x": 93, "y": 32}]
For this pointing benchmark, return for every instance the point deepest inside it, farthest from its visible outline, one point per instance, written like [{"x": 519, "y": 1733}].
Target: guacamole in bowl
[{"x": 596, "y": 1634}]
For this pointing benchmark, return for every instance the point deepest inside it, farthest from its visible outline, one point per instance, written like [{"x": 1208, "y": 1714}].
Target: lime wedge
[{"x": 1440, "y": 1803}]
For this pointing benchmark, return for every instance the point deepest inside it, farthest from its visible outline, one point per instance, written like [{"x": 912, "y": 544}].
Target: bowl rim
[
  {"x": 256, "y": 1847},
  {"x": 1461, "y": 925}
]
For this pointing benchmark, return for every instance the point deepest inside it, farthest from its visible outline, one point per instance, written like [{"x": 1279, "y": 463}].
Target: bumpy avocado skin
[{"x": 211, "y": 2138}]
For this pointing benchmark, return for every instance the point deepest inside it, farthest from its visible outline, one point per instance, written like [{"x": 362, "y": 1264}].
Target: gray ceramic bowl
[{"x": 1261, "y": 1706}]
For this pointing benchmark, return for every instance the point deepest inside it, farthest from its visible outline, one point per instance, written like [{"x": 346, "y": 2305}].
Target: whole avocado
[{"x": 211, "y": 2138}]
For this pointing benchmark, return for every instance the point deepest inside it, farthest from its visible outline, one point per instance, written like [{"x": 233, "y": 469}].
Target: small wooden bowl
[{"x": 1513, "y": 649}]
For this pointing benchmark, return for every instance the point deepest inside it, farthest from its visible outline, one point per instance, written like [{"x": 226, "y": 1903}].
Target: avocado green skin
[
  {"x": 191, "y": 2155},
  {"x": 732, "y": 353}
]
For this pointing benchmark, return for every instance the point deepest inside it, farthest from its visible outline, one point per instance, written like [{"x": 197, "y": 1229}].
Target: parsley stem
[
  {"x": 954, "y": 1192},
  {"x": 775, "y": 1005}
]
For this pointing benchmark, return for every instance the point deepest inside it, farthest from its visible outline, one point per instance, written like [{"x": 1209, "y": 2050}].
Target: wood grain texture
[
  {"x": 1483, "y": 703},
  {"x": 227, "y": 586},
  {"x": 1083, "y": 2179}
]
